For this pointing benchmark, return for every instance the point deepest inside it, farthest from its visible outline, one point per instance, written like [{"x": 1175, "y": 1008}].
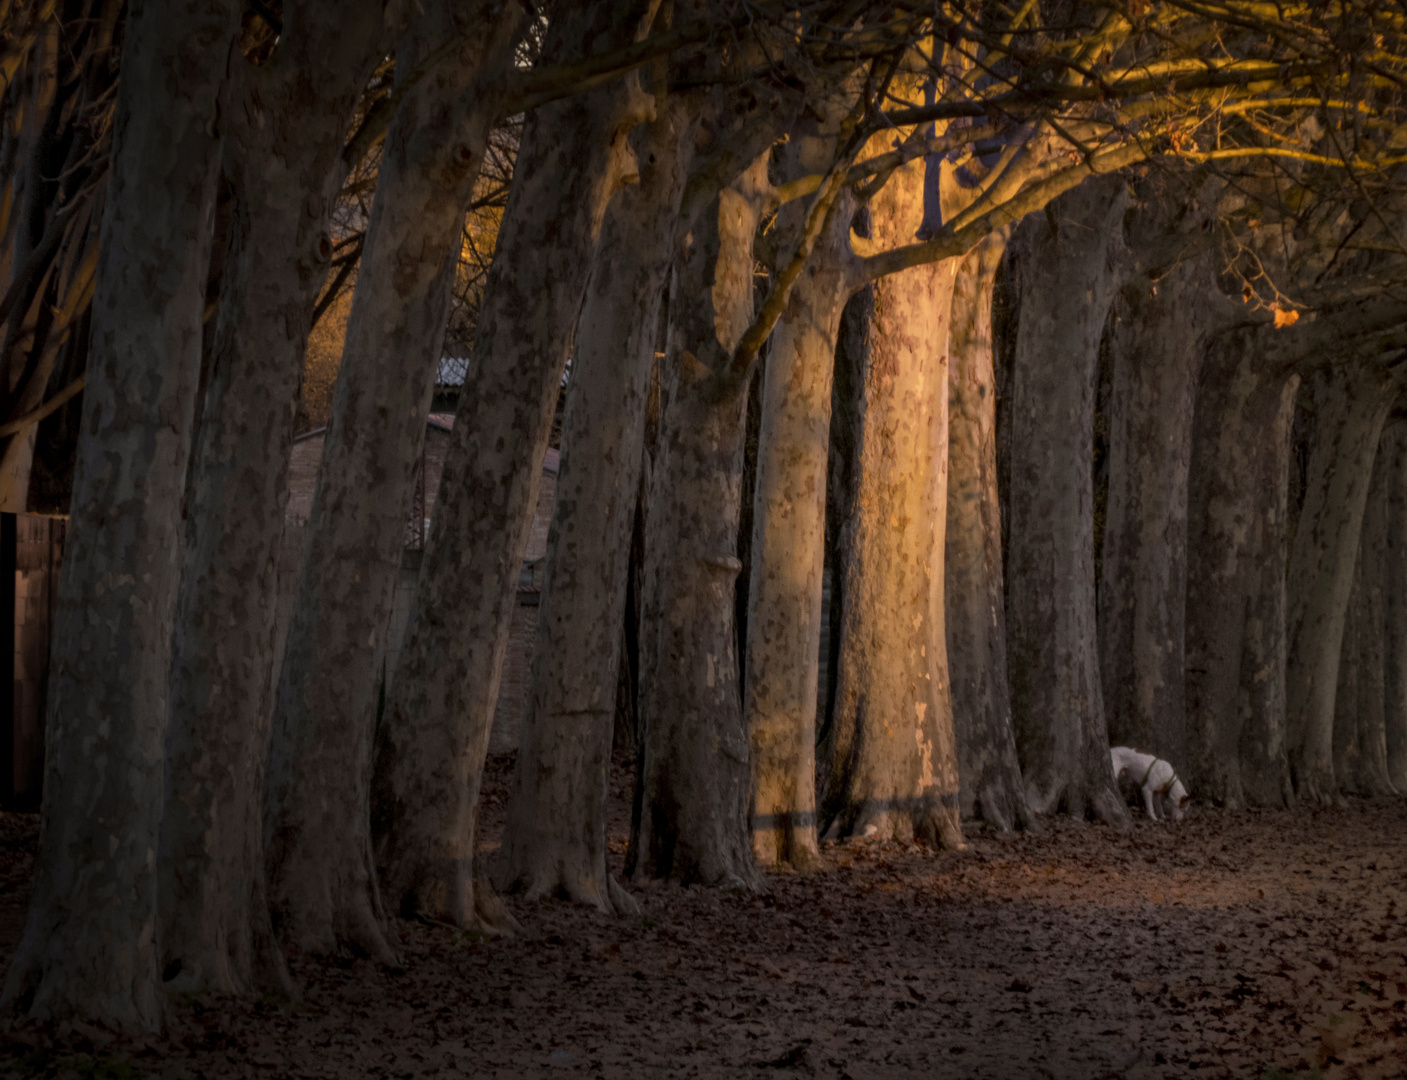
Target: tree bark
[
  {"x": 89, "y": 949},
  {"x": 788, "y": 535},
  {"x": 286, "y": 121},
  {"x": 556, "y": 835},
  {"x": 1351, "y": 403},
  {"x": 1263, "y": 745},
  {"x": 989, "y": 776},
  {"x": 322, "y": 882},
  {"x": 892, "y": 757},
  {"x": 692, "y": 798},
  {"x": 1067, "y": 281},
  {"x": 439, "y": 708},
  {"x": 1360, "y": 735},
  {"x": 53, "y": 166},
  {"x": 1157, "y": 344},
  {"x": 28, "y": 217},
  {"x": 1393, "y": 448},
  {"x": 1234, "y": 640}
]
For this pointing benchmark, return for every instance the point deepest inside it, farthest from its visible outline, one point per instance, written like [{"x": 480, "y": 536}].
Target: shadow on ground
[{"x": 1258, "y": 944}]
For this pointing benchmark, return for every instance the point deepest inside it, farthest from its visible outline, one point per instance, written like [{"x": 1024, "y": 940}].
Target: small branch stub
[{"x": 726, "y": 564}]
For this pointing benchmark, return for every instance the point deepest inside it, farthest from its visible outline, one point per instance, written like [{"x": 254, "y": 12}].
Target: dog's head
[{"x": 1178, "y": 800}]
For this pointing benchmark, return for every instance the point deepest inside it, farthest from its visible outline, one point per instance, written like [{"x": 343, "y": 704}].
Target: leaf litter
[{"x": 1256, "y": 944}]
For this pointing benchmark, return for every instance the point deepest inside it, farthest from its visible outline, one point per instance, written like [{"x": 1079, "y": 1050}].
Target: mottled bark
[
  {"x": 1233, "y": 450},
  {"x": 1350, "y": 405},
  {"x": 1067, "y": 280},
  {"x": 1393, "y": 450},
  {"x": 556, "y": 835},
  {"x": 431, "y": 745},
  {"x": 892, "y": 757},
  {"x": 287, "y": 120},
  {"x": 989, "y": 776},
  {"x": 788, "y": 534},
  {"x": 1157, "y": 343},
  {"x": 1360, "y": 737},
  {"x": 89, "y": 949},
  {"x": 322, "y": 883},
  {"x": 691, "y": 819},
  {"x": 1263, "y": 749}
]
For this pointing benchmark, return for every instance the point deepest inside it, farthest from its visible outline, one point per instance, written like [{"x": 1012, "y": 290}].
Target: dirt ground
[{"x": 1264, "y": 945}]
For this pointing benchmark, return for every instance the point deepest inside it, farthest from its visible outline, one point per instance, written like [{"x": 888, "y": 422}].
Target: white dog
[{"x": 1154, "y": 776}]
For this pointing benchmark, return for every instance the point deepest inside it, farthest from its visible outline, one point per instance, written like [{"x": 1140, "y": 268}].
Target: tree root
[
  {"x": 1006, "y": 809},
  {"x": 1105, "y": 805},
  {"x": 806, "y": 858},
  {"x": 364, "y": 934},
  {"x": 622, "y": 901},
  {"x": 491, "y": 914},
  {"x": 603, "y": 893},
  {"x": 1317, "y": 789},
  {"x": 797, "y": 848}
]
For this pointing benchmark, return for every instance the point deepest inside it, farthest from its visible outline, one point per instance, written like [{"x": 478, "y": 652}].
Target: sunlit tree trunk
[
  {"x": 691, "y": 818},
  {"x": 1157, "y": 342},
  {"x": 788, "y": 536},
  {"x": 430, "y": 749},
  {"x": 892, "y": 769},
  {"x": 556, "y": 834},
  {"x": 989, "y": 775},
  {"x": 1393, "y": 449},
  {"x": 322, "y": 882},
  {"x": 285, "y": 134},
  {"x": 1067, "y": 280},
  {"x": 1351, "y": 403},
  {"x": 89, "y": 949},
  {"x": 1360, "y": 736}
]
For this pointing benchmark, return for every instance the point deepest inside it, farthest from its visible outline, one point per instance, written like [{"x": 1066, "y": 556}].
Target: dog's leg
[{"x": 1148, "y": 803}]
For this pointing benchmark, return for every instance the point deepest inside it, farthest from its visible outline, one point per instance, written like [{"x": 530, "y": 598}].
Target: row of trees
[{"x": 807, "y": 206}]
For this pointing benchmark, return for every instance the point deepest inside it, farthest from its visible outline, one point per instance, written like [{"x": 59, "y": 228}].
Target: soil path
[{"x": 1264, "y": 945}]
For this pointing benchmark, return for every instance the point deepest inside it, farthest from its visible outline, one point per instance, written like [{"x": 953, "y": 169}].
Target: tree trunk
[
  {"x": 31, "y": 213},
  {"x": 1260, "y": 709},
  {"x": 989, "y": 777},
  {"x": 57, "y": 107},
  {"x": 1067, "y": 281},
  {"x": 287, "y": 122},
  {"x": 89, "y": 949},
  {"x": 788, "y": 536},
  {"x": 1351, "y": 403},
  {"x": 692, "y": 796},
  {"x": 851, "y": 350},
  {"x": 892, "y": 757},
  {"x": 432, "y": 742},
  {"x": 1360, "y": 745},
  {"x": 1346, "y": 756},
  {"x": 1394, "y": 449},
  {"x": 1236, "y": 542},
  {"x": 1157, "y": 344},
  {"x": 556, "y": 834},
  {"x": 322, "y": 883}
]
